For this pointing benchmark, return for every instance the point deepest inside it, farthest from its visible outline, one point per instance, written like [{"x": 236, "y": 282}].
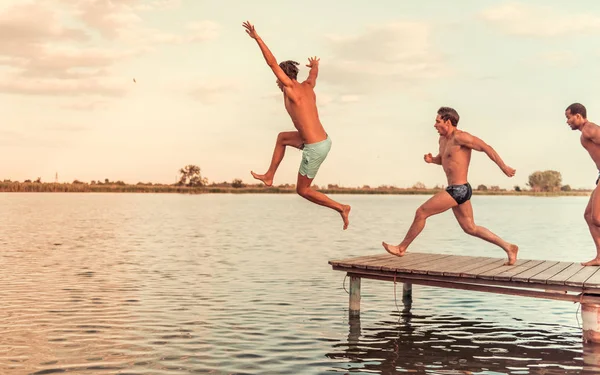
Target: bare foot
[
  {"x": 345, "y": 212},
  {"x": 593, "y": 262},
  {"x": 263, "y": 178},
  {"x": 394, "y": 250},
  {"x": 512, "y": 255}
]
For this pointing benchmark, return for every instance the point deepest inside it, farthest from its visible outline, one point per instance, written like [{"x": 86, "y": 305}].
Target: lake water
[{"x": 239, "y": 284}]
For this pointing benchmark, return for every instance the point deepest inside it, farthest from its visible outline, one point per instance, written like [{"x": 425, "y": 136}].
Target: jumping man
[{"x": 300, "y": 102}]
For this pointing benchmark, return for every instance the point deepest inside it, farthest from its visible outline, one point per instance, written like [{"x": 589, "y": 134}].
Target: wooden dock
[{"x": 566, "y": 281}]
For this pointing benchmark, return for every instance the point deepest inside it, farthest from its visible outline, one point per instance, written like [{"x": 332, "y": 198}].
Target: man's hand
[
  {"x": 250, "y": 29},
  {"x": 508, "y": 171},
  {"x": 428, "y": 158},
  {"x": 313, "y": 62}
]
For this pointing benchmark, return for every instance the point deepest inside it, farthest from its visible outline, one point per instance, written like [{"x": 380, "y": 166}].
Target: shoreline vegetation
[
  {"x": 542, "y": 183},
  {"x": 237, "y": 187}
]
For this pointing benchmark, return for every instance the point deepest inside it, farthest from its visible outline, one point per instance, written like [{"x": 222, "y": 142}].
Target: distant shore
[{"x": 44, "y": 187}]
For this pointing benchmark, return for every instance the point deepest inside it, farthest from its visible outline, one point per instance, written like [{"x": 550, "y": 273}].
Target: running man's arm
[
  {"x": 592, "y": 133},
  {"x": 269, "y": 58},
  {"x": 313, "y": 64},
  {"x": 433, "y": 159},
  {"x": 474, "y": 143}
]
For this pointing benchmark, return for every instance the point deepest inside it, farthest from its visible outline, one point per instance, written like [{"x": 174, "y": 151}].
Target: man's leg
[
  {"x": 439, "y": 203},
  {"x": 283, "y": 139},
  {"x": 304, "y": 190},
  {"x": 464, "y": 215},
  {"x": 592, "y": 218}
]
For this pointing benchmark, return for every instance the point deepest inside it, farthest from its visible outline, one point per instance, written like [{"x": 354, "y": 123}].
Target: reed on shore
[{"x": 120, "y": 187}]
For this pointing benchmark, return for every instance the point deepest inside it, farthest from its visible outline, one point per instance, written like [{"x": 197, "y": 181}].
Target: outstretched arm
[
  {"x": 270, "y": 59},
  {"x": 313, "y": 64},
  {"x": 472, "y": 142}
]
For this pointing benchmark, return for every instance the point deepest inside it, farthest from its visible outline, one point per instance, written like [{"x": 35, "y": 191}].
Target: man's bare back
[
  {"x": 589, "y": 131},
  {"x": 301, "y": 104}
]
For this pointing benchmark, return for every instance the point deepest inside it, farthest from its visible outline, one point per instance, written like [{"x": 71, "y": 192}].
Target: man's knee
[
  {"x": 596, "y": 220},
  {"x": 421, "y": 213},
  {"x": 469, "y": 228},
  {"x": 282, "y": 137},
  {"x": 302, "y": 190}
]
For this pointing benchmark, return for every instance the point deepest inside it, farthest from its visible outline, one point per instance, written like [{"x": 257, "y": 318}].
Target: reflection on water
[
  {"x": 452, "y": 344},
  {"x": 239, "y": 284}
]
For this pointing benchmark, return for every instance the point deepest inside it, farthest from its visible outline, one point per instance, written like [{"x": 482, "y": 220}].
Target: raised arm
[
  {"x": 472, "y": 142},
  {"x": 270, "y": 59},
  {"x": 313, "y": 64}
]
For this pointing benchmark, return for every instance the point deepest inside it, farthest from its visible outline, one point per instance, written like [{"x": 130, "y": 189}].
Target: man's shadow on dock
[{"x": 448, "y": 344}]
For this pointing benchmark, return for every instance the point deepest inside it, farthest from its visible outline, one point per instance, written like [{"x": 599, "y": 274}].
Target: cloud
[
  {"x": 211, "y": 91},
  {"x": 383, "y": 56},
  {"x": 72, "y": 47},
  {"x": 68, "y": 128},
  {"x": 557, "y": 59},
  {"x": 539, "y": 20},
  {"x": 86, "y": 105}
]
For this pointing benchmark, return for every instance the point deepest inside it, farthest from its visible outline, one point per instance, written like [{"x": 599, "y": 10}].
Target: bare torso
[
  {"x": 592, "y": 148},
  {"x": 455, "y": 160},
  {"x": 300, "y": 103}
]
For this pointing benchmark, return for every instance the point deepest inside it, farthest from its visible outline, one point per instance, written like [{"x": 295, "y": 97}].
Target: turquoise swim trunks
[{"x": 313, "y": 156}]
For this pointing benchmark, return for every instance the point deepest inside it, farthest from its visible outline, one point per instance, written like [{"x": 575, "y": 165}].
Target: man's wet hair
[
  {"x": 290, "y": 69},
  {"x": 577, "y": 108},
  {"x": 447, "y": 113}
]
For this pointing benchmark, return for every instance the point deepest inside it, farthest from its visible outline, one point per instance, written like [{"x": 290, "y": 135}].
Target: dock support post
[
  {"x": 590, "y": 315},
  {"x": 407, "y": 293},
  {"x": 354, "y": 296}
]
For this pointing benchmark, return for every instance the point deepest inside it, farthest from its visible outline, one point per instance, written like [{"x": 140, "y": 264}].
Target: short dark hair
[
  {"x": 447, "y": 113},
  {"x": 289, "y": 68},
  {"x": 577, "y": 108}
]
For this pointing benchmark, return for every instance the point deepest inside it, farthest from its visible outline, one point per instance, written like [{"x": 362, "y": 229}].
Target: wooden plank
[
  {"x": 564, "y": 275},
  {"x": 489, "y": 274},
  {"x": 580, "y": 277},
  {"x": 593, "y": 281},
  {"x": 381, "y": 259},
  {"x": 399, "y": 266},
  {"x": 356, "y": 260},
  {"x": 445, "y": 264},
  {"x": 543, "y": 276},
  {"x": 410, "y": 276},
  {"x": 490, "y": 289},
  {"x": 458, "y": 271},
  {"x": 495, "y": 265},
  {"x": 517, "y": 269},
  {"x": 524, "y": 276},
  {"x": 457, "y": 263}
]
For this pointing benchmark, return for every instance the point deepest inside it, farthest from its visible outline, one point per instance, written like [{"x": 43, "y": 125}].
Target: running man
[
  {"x": 590, "y": 140},
  {"x": 455, "y": 156},
  {"x": 300, "y": 103}
]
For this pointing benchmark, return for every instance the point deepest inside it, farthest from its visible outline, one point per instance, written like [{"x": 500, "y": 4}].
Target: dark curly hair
[{"x": 290, "y": 69}]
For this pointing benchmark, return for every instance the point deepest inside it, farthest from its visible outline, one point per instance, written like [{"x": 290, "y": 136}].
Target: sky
[{"x": 204, "y": 95}]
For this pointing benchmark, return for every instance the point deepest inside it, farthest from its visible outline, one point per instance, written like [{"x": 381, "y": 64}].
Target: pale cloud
[
  {"x": 86, "y": 105},
  {"x": 539, "y": 20},
  {"x": 211, "y": 91},
  {"x": 384, "y": 56},
  {"x": 558, "y": 59},
  {"x": 51, "y": 47}
]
